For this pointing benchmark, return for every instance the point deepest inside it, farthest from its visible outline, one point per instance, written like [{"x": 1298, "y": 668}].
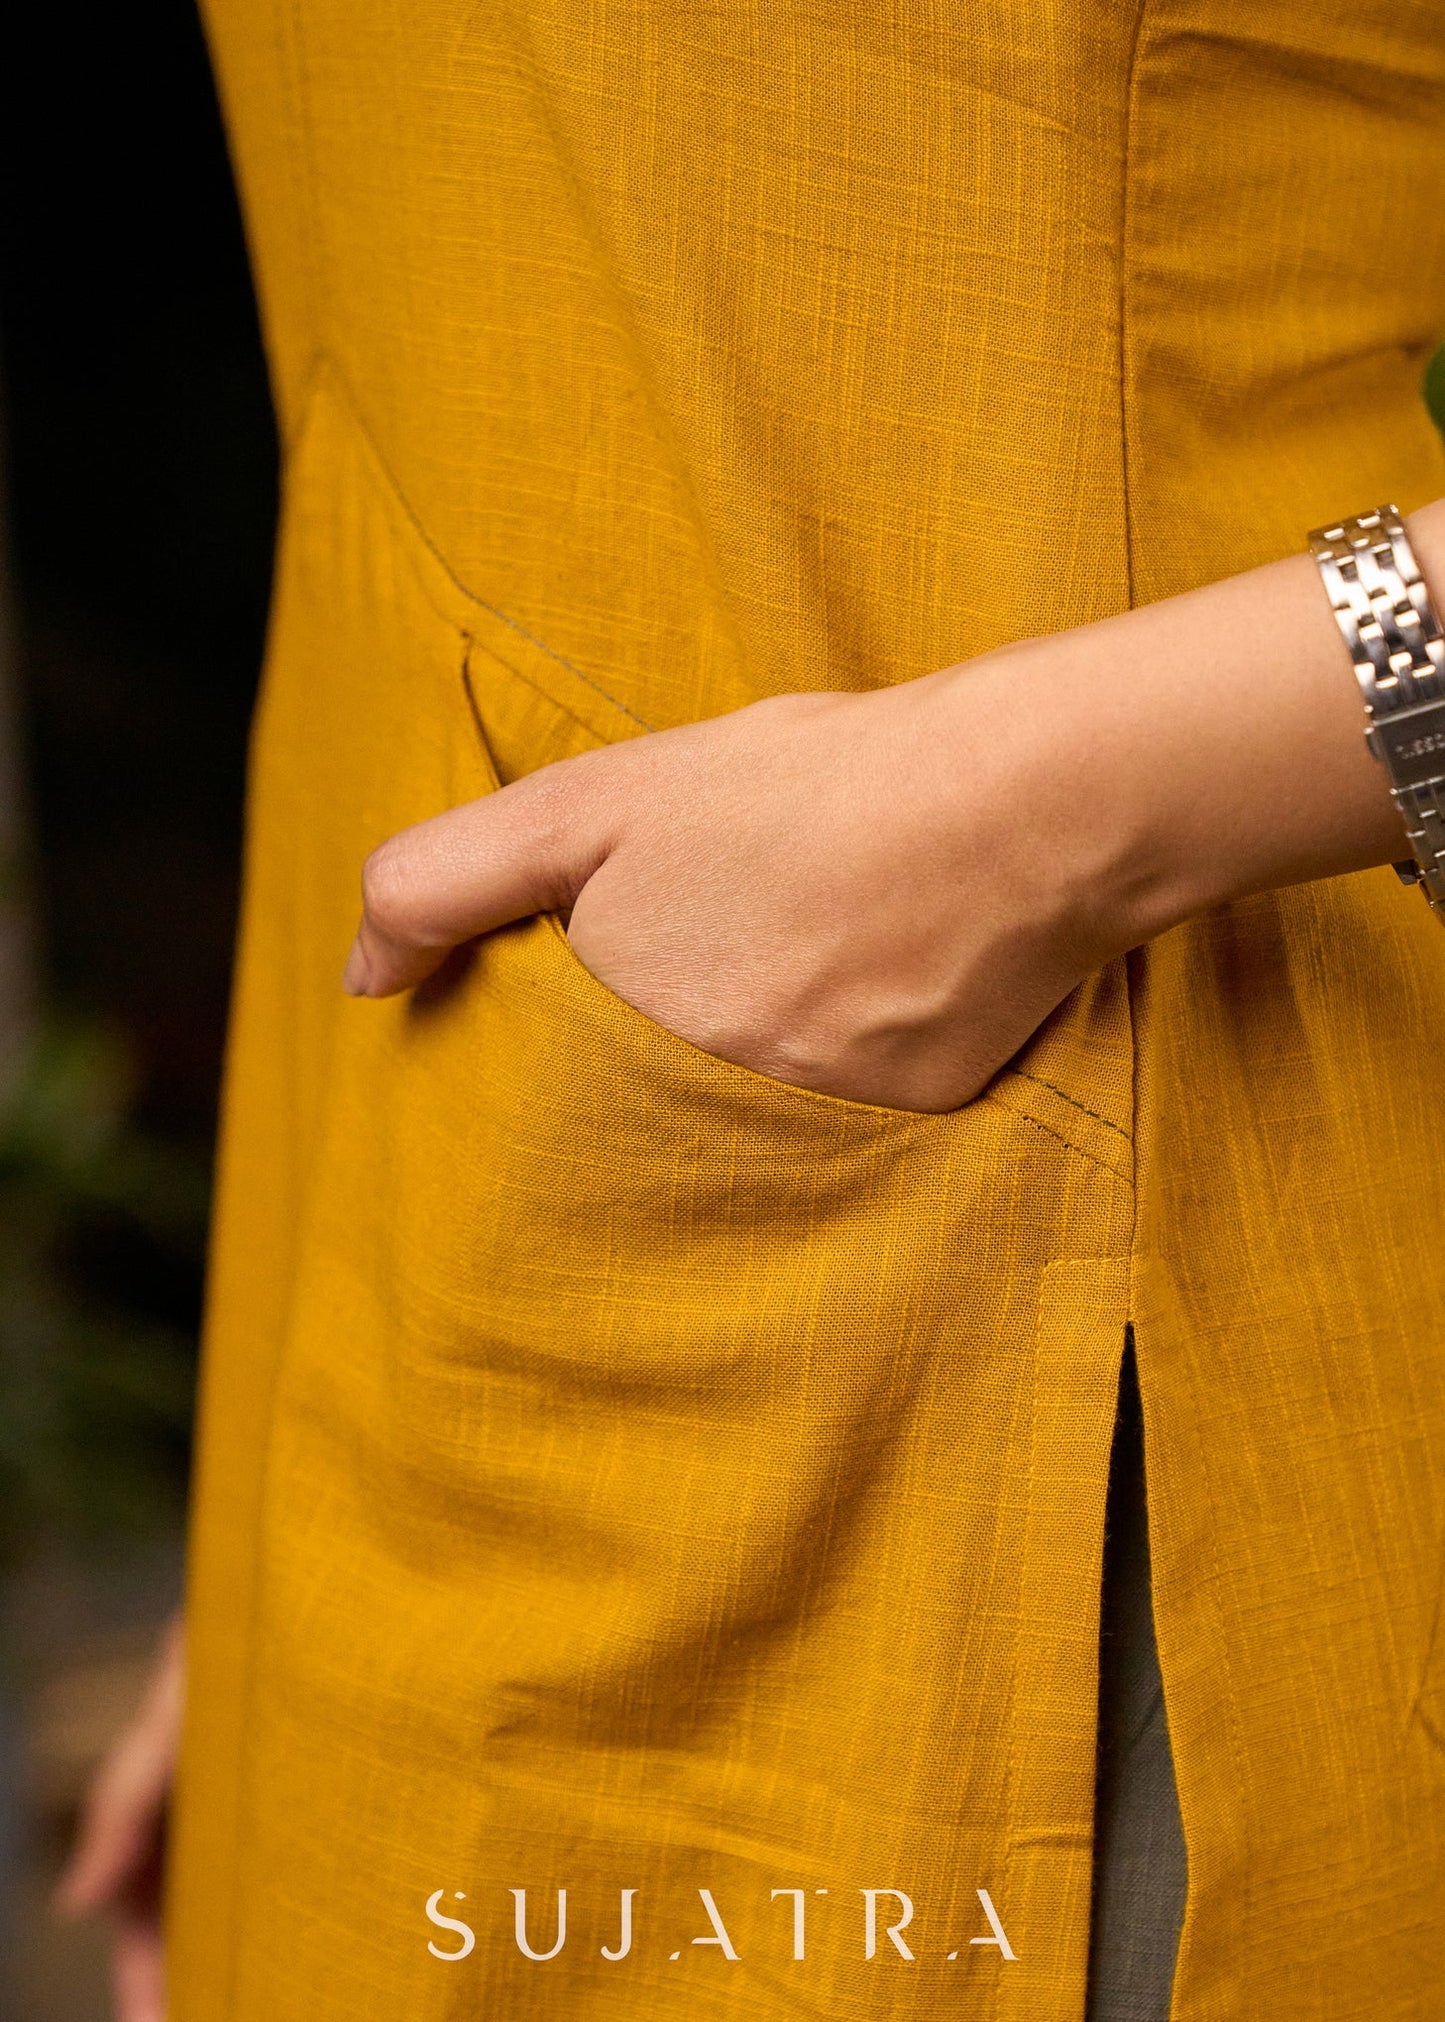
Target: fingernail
[{"x": 357, "y": 973}]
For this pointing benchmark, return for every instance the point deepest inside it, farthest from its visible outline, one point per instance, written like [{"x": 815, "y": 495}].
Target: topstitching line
[
  {"x": 1037, "y": 1123},
  {"x": 1073, "y": 1102},
  {"x": 493, "y": 610}
]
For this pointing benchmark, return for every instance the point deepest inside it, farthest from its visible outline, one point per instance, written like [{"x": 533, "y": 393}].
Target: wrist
[
  {"x": 1047, "y": 747},
  {"x": 1200, "y": 749}
]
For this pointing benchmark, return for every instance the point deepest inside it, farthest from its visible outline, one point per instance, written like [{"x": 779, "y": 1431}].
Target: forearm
[{"x": 1199, "y": 749}]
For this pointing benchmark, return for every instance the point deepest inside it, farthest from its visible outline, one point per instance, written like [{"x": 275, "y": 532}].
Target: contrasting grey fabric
[{"x": 1139, "y": 1868}]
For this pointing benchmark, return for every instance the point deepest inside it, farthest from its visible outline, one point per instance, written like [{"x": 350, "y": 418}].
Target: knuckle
[
  {"x": 561, "y": 801},
  {"x": 386, "y": 890},
  {"x": 558, "y": 792}
]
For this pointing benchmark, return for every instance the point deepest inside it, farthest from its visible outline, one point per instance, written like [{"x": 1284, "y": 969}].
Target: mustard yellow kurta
[{"x": 619, "y": 1471}]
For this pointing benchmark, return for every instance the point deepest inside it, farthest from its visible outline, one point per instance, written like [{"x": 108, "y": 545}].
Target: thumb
[{"x": 527, "y": 849}]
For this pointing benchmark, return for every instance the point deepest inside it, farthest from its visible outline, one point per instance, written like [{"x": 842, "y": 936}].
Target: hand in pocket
[{"x": 845, "y": 892}]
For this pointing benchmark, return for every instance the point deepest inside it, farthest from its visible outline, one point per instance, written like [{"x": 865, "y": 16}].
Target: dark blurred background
[{"x": 139, "y": 497}]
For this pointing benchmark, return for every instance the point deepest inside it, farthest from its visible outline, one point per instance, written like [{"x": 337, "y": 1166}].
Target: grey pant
[{"x": 1139, "y": 1872}]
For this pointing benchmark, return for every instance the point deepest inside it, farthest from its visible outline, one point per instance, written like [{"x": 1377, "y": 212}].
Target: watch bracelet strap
[{"x": 1383, "y": 609}]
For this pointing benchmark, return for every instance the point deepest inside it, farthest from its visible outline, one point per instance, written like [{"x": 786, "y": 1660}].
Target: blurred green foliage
[
  {"x": 1434, "y": 388},
  {"x": 101, "y": 1236}
]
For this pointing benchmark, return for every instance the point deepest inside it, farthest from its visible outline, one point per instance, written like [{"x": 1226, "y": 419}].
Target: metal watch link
[{"x": 1393, "y": 634}]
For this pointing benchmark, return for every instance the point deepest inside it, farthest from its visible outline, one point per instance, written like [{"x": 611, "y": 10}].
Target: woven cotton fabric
[{"x": 620, "y": 1472}]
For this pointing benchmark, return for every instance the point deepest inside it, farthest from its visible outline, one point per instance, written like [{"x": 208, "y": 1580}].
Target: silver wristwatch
[{"x": 1391, "y": 629}]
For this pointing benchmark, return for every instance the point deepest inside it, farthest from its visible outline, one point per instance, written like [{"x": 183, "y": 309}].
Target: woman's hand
[
  {"x": 827, "y": 888},
  {"x": 883, "y": 895},
  {"x": 115, "y": 1866}
]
